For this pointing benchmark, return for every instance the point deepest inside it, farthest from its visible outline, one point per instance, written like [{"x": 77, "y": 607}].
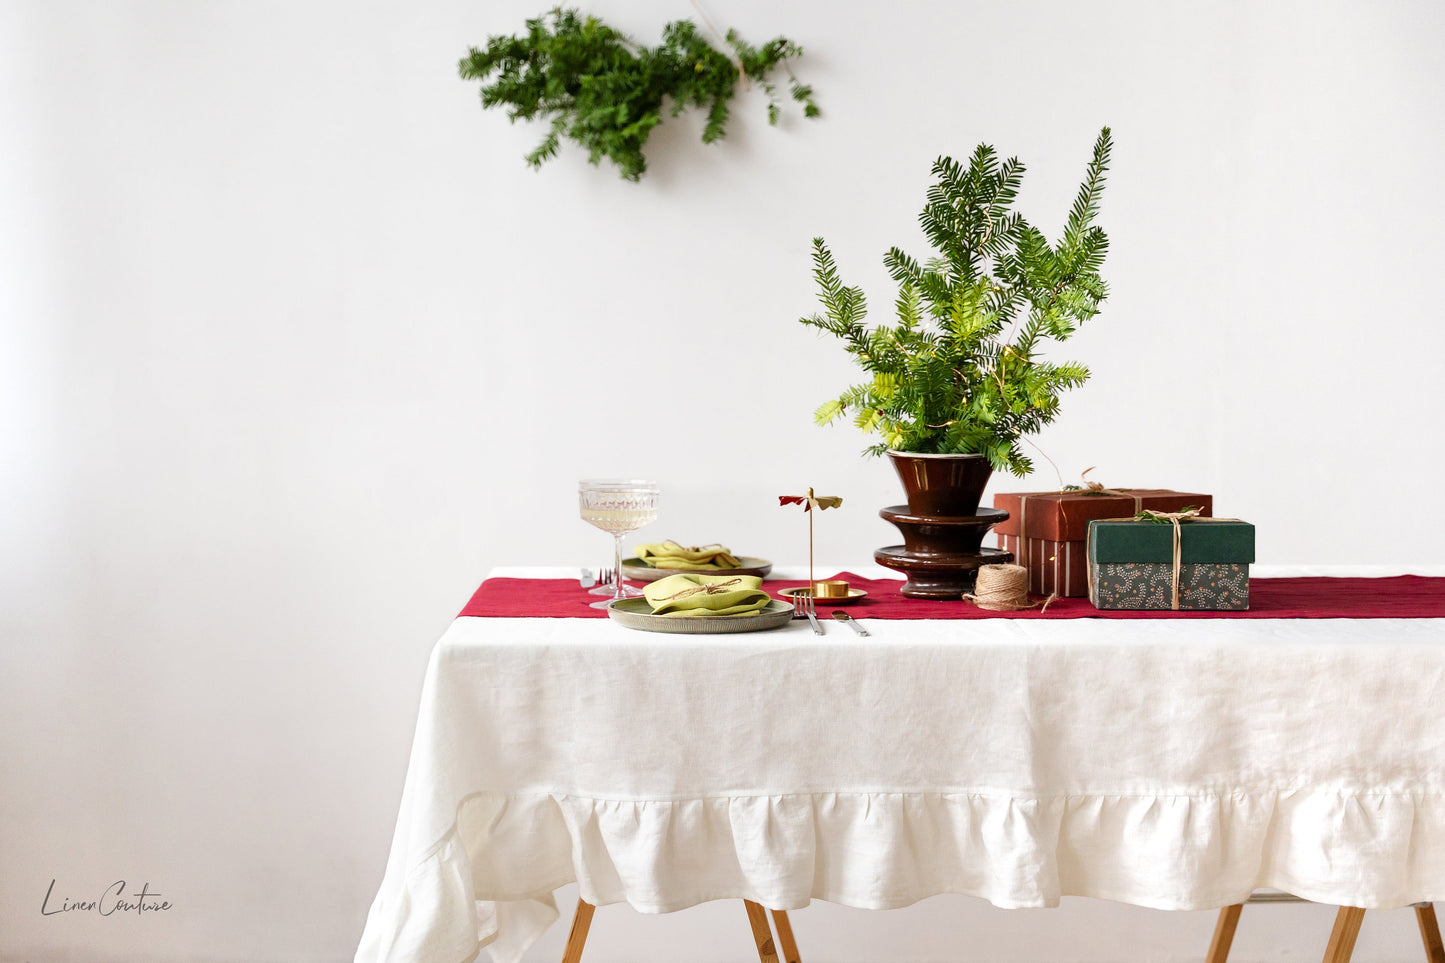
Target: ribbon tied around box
[
  {"x": 1092, "y": 487},
  {"x": 1175, "y": 518}
]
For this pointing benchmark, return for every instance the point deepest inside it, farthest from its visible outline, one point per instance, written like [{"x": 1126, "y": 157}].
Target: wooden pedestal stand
[{"x": 940, "y": 554}]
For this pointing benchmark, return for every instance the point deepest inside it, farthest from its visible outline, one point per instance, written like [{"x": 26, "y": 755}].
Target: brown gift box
[{"x": 1058, "y": 525}]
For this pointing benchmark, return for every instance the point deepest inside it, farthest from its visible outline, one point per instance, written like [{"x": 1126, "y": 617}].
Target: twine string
[
  {"x": 711, "y": 588},
  {"x": 1004, "y": 588},
  {"x": 692, "y": 548},
  {"x": 1099, "y": 489},
  {"x": 724, "y": 46},
  {"x": 1092, "y": 487},
  {"x": 1188, "y": 515}
]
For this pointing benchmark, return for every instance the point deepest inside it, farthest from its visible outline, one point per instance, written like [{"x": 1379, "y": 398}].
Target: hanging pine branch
[
  {"x": 606, "y": 92},
  {"x": 960, "y": 372}
]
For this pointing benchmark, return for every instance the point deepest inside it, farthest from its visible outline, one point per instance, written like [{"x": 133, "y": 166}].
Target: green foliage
[
  {"x": 606, "y": 92},
  {"x": 961, "y": 371}
]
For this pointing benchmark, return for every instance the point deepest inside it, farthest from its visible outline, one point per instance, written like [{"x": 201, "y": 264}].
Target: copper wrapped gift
[{"x": 1054, "y": 526}]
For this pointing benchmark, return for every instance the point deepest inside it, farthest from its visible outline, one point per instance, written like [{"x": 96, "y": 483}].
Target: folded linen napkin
[
  {"x": 670, "y": 554},
  {"x": 690, "y": 596}
]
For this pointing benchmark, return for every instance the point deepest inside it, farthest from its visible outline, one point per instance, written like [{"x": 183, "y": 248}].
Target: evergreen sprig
[
  {"x": 961, "y": 372},
  {"x": 606, "y": 92}
]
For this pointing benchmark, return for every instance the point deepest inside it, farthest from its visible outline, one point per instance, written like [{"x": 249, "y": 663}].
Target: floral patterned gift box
[{"x": 1170, "y": 561}]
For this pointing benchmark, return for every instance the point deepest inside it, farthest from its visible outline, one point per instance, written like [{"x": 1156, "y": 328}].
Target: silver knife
[{"x": 849, "y": 621}]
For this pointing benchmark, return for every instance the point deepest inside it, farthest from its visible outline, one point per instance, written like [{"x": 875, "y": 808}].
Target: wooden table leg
[
  {"x": 1224, "y": 934},
  {"x": 1342, "y": 938},
  {"x": 790, "y": 947},
  {"x": 1430, "y": 933},
  {"x": 581, "y": 922},
  {"x": 762, "y": 935}
]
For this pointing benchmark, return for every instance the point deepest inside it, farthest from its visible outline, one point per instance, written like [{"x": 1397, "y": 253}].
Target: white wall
[{"x": 295, "y": 348}]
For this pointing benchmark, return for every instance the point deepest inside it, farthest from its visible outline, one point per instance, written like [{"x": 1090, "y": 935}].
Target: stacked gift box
[
  {"x": 1047, "y": 531},
  {"x": 1179, "y": 562}
]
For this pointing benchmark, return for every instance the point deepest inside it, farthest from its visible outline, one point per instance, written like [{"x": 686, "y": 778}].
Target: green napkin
[
  {"x": 689, "y": 596},
  {"x": 670, "y": 554}
]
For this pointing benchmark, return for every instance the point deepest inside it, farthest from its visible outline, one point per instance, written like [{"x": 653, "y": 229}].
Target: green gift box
[{"x": 1132, "y": 563}]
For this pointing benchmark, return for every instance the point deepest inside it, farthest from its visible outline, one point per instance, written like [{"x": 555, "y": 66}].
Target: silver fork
[
  {"x": 803, "y": 606},
  {"x": 604, "y": 583}
]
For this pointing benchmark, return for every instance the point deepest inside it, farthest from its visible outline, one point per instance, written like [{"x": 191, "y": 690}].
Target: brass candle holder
[{"x": 810, "y": 502}]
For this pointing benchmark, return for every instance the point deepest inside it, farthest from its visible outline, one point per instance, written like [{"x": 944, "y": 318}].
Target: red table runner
[{"x": 1401, "y": 597}]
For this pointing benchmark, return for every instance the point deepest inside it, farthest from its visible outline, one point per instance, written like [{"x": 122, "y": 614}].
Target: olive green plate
[
  {"x": 637, "y": 614},
  {"x": 639, "y": 571}
]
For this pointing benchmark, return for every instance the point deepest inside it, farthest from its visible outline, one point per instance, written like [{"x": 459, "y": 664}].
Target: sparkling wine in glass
[{"x": 619, "y": 507}]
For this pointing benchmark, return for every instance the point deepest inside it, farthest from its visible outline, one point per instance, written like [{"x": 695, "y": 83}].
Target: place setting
[
  {"x": 653, "y": 562},
  {"x": 699, "y": 589}
]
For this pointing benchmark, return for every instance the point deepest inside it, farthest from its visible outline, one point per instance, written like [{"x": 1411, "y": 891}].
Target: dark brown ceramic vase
[
  {"x": 943, "y": 527},
  {"x": 946, "y": 486}
]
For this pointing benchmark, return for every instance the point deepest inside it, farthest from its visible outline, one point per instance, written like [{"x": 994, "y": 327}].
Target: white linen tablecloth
[{"x": 1173, "y": 764}]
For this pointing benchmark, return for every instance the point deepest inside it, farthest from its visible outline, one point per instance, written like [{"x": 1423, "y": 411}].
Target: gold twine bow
[
  {"x": 693, "y": 548},
  {"x": 1188, "y": 515},
  {"x": 711, "y": 588},
  {"x": 1099, "y": 489}
]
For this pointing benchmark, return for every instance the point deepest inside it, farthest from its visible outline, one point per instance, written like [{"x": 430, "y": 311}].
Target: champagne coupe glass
[{"x": 618, "y": 506}]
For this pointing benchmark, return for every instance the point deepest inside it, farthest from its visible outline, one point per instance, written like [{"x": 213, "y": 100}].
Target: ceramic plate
[
  {"x": 639, "y": 571},
  {"x": 853, "y": 595},
  {"x": 637, "y": 614}
]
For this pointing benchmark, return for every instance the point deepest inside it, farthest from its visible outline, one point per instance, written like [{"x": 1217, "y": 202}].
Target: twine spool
[{"x": 1002, "y": 588}]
